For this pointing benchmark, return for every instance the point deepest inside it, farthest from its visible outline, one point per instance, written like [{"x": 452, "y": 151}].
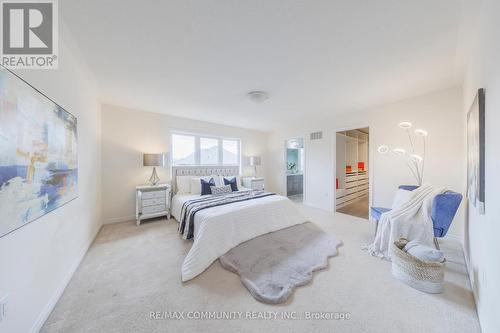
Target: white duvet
[{"x": 219, "y": 229}]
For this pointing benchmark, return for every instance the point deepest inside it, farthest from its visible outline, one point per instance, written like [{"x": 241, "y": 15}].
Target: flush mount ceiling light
[
  {"x": 383, "y": 149},
  {"x": 421, "y": 132},
  {"x": 399, "y": 151},
  {"x": 258, "y": 96},
  {"x": 405, "y": 125}
]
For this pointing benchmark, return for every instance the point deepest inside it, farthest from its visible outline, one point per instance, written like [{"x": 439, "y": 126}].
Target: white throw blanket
[{"x": 412, "y": 220}]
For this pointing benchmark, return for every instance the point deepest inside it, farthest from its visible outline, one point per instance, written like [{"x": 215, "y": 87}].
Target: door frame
[
  {"x": 370, "y": 163},
  {"x": 285, "y": 179}
]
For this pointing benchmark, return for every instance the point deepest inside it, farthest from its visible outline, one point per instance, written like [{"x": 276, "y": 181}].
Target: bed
[{"x": 220, "y": 228}]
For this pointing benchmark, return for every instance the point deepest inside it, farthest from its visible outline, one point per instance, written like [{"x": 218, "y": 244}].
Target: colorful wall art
[{"x": 38, "y": 154}]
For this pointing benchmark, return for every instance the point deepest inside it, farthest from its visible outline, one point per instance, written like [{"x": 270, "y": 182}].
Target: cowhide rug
[{"x": 272, "y": 265}]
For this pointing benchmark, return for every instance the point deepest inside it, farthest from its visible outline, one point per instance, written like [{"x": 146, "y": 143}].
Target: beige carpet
[{"x": 130, "y": 271}]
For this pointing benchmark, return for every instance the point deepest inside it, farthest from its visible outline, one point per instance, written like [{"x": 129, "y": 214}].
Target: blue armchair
[{"x": 444, "y": 208}]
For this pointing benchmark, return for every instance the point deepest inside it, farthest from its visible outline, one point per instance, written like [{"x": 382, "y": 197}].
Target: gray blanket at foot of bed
[{"x": 272, "y": 265}]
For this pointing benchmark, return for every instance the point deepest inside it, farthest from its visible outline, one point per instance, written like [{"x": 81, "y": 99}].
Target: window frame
[{"x": 197, "y": 149}]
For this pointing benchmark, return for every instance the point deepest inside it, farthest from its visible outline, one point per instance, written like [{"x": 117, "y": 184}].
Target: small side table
[
  {"x": 152, "y": 201},
  {"x": 254, "y": 183}
]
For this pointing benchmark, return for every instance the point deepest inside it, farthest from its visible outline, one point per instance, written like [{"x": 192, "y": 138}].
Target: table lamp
[
  {"x": 255, "y": 161},
  {"x": 154, "y": 160}
]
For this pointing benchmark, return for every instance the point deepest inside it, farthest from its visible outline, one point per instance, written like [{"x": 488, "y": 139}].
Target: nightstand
[
  {"x": 254, "y": 183},
  {"x": 152, "y": 201}
]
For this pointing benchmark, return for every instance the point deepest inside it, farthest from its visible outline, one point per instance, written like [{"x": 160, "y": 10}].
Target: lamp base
[{"x": 154, "y": 179}]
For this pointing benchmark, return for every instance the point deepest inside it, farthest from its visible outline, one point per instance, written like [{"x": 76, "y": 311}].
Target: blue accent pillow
[
  {"x": 205, "y": 186},
  {"x": 233, "y": 182}
]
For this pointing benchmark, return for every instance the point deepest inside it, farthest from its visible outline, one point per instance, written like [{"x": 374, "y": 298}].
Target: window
[
  {"x": 230, "y": 152},
  {"x": 183, "y": 149},
  {"x": 194, "y": 149},
  {"x": 209, "y": 151}
]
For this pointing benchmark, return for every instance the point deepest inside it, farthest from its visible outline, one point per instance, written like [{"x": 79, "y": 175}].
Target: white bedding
[
  {"x": 179, "y": 199},
  {"x": 219, "y": 229}
]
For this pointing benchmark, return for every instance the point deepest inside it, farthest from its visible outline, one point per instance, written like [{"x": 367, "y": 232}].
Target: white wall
[
  {"x": 439, "y": 113},
  {"x": 482, "y": 231},
  {"x": 37, "y": 260},
  {"x": 128, "y": 133}
]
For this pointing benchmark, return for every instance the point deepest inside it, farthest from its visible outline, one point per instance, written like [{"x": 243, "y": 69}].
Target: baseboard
[
  {"x": 119, "y": 219},
  {"x": 470, "y": 273},
  {"x": 44, "y": 314}
]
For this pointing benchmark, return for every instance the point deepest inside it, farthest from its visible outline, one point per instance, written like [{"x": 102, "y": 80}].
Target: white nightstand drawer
[
  {"x": 258, "y": 185},
  {"x": 153, "y": 202},
  {"x": 153, "y": 194},
  {"x": 153, "y": 209},
  {"x": 253, "y": 183}
]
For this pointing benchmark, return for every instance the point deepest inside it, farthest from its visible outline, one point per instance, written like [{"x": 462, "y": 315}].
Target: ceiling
[{"x": 199, "y": 59}]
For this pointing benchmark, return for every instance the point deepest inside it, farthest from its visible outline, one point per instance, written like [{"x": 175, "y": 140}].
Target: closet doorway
[
  {"x": 352, "y": 168},
  {"x": 294, "y": 164}
]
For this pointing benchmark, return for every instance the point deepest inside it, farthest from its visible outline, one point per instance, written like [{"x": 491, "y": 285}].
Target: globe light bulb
[
  {"x": 416, "y": 158},
  {"x": 405, "y": 125},
  {"x": 383, "y": 149},
  {"x": 399, "y": 151},
  {"x": 421, "y": 132}
]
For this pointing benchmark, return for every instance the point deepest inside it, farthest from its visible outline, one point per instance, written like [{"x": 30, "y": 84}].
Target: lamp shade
[
  {"x": 254, "y": 160},
  {"x": 153, "y": 160}
]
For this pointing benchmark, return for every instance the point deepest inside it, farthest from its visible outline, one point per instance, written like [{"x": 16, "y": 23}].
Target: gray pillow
[{"x": 225, "y": 189}]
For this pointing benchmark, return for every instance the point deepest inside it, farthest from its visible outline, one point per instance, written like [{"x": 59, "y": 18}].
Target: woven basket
[{"x": 418, "y": 274}]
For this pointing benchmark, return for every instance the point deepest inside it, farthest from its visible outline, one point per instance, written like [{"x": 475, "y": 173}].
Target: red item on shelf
[
  {"x": 348, "y": 168},
  {"x": 336, "y": 183},
  {"x": 361, "y": 166}
]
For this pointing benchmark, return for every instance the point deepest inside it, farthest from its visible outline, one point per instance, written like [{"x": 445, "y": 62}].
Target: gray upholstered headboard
[{"x": 201, "y": 171}]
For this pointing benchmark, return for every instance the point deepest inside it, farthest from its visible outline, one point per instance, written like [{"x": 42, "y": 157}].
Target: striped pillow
[{"x": 225, "y": 189}]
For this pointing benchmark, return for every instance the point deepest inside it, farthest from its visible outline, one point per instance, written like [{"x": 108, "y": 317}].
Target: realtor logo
[{"x": 29, "y": 34}]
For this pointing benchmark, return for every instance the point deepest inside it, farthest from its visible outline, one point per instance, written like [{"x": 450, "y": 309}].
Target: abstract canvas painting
[
  {"x": 38, "y": 154},
  {"x": 476, "y": 153}
]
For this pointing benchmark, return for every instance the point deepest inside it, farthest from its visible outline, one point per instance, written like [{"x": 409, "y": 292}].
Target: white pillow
[
  {"x": 401, "y": 197},
  {"x": 219, "y": 180},
  {"x": 196, "y": 183},
  {"x": 183, "y": 184}
]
